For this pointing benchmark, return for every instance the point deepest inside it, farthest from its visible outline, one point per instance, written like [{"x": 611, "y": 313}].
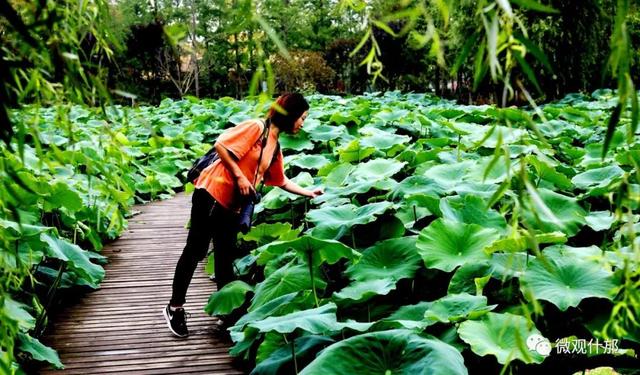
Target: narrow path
[{"x": 120, "y": 328}]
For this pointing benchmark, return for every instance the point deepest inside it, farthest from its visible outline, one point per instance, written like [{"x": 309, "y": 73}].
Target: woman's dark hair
[{"x": 293, "y": 104}]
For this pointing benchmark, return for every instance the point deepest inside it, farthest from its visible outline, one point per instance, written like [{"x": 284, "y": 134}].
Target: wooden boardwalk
[{"x": 120, "y": 328}]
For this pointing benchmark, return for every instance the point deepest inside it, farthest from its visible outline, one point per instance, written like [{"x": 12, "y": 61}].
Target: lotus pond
[{"x": 448, "y": 235}]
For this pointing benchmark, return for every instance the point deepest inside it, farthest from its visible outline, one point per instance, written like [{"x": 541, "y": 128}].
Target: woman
[{"x": 223, "y": 186}]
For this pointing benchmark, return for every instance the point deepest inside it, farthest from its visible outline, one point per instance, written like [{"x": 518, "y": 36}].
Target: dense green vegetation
[
  {"x": 447, "y": 230},
  {"x": 321, "y": 34},
  {"x": 424, "y": 224}
]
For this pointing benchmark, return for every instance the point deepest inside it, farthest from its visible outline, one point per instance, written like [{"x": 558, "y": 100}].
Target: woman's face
[{"x": 298, "y": 124}]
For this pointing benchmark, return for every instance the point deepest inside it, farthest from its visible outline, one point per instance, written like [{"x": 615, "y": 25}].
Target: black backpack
[{"x": 212, "y": 155}]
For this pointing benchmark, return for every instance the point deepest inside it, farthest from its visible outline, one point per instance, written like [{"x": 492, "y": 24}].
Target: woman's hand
[
  {"x": 315, "y": 193},
  {"x": 245, "y": 187},
  {"x": 294, "y": 188}
]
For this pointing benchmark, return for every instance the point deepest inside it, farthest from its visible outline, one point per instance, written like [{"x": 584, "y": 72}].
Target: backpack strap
[
  {"x": 264, "y": 138},
  {"x": 273, "y": 158}
]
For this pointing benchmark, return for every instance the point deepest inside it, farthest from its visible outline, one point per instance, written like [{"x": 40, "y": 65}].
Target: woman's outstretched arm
[{"x": 294, "y": 188}]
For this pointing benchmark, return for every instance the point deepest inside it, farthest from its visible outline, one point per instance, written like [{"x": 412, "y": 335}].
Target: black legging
[{"x": 209, "y": 219}]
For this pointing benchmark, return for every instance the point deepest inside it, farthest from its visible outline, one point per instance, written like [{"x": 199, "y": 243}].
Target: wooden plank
[{"x": 120, "y": 328}]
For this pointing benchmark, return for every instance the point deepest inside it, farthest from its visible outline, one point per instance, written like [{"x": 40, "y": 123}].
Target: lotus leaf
[
  {"x": 446, "y": 245},
  {"x": 334, "y": 222},
  {"x": 392, "y": 259},
  {"x": 227, "y": 299},
  {"x": 566, "y": 280},
  {"x": 456, "y": 307},
  {"x": 388, "y": 352},
  {"x": 285, "y": 280},
  {"x": 316, "y": 321},
  {"x": 501, "y": 335}
]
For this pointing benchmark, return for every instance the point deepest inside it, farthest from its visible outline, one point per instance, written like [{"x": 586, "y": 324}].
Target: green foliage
[
  {"x": 395, "y": 351},
  {"x": 501, "y": 335},
  {"x": 481, "y": 210},
  {"x": 305, "y": 71},
  {"x": 564, "y": 279},
  {"x": 446, "y": 244},
  {"x": 474, "y": 201},
  {"x": 227, "y": 299}
]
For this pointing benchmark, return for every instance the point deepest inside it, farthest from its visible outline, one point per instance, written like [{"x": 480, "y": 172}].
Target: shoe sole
[{"x": 168, "y": 320}]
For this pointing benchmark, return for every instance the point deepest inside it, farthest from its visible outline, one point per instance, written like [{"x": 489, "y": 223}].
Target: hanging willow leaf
[
  {"x": 635, "y": 112},
  {"x": 535, "y": 51},
  {"x": 528, "y": 71},
  {"x": 611, "y": 128},
  {"x": 464, "y": 52},
  {"x": 273, "y": 36}
]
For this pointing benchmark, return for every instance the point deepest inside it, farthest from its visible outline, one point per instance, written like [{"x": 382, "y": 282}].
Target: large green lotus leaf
[
  {"x": 316, "y": 321},
  {"x": 471, "y": 209},
  {"x": 354, "y": 152},
  {"x": 338, "y": 174},
  {"x": 548, "y": 173},
  {"x": 494, "y": 173},
  {"x": 265, "y": 233},
  {"x": 62, "y": 195},
  {"x": 227, "y": 299},
  {"x": 283, "y": 304},
  {"x": 555, "y": 212},
  {"x": 388, "y": 352},
  {"x": 415, "y": 185},
  {"x": 285, "y": 280},
  {"x": 456, "y": 307},
  {"x": 334, "y": 222},
  {"x": 565, "y": 280},
  {"x": 320, "y": 250},
  {"x": 324, "y": 133},
  {"x": 597, "y": 177},
  {"x": 467, "y": 277},
  {"x": 393, "y": 259},
  {"x": 77, "y": 259},
  {"x": 391, "y": 114},
  {"x": 360, "y": 291},
  {"x": 591, "y": 253},
  {"x": 501, "y": 335},
  {"x": 26, "y": 255},
  {"x": 600, "y": 220},
  {"x": 380, "y": 139},
  {"x": 449, "y": 175},
  {"x": 245, "y": 336},
  {"x": 18, "y": 230},
  {"x": 299, "y": 142},
  {"x": 445, "y": 245},
  {"x": 592, "y": 158},
  {"x": 313, "y": 162},
  {"x": 344, "y": 117},
  {"x": 332, "y": 194},
  {"x": 303, "y": 346},
  {"x": 508, "y": 265},
  {"x": 38, "y": 350},
  {"x": 410, "y": 317},
  {"x": 486, "y": 191},
  {"x": 17, "y": 312},
  {"x": 376, "y": 169},
  {"x": 417, "y": 207}
]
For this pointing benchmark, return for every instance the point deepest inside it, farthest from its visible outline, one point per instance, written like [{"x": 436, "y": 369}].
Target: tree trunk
[
  {"x": 236, "y": 49},
  {"x": 194, "y": 51},
  {"x": 437, "y": 81}
]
